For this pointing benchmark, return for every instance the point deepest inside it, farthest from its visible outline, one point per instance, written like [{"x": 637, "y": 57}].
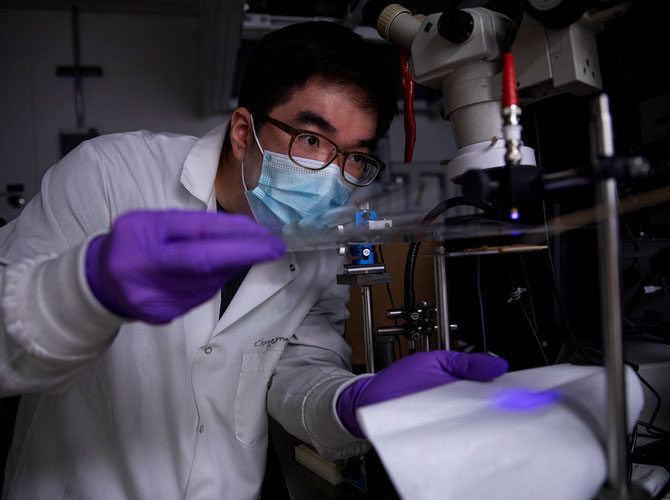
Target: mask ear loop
[
  {"x": 258, "y": 143},
  {"x": 253, "y": 129}
]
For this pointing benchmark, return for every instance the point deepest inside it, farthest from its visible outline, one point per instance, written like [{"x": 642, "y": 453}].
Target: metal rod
[
  {"x": 384, "y": 352},
  {"x": 411, "y": 345},
  {"x": 395, "y": 313},
  {"x": 441, "y": 299},
  {"x": 366, "y": 294},
  {"x": 425, "y": 343},
  {"x": 608, "y": 247},
  {"x": 610, "y": 304},
  {"x": 386, "y": 331}
]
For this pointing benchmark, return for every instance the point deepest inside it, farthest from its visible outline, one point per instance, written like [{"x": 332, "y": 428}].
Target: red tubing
[
  {"x": 408, "y": 106},
  {"x": 510, "y": 94}
]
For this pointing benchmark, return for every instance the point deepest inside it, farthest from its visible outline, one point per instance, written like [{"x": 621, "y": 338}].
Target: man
[{"x": 138, "y": 378}]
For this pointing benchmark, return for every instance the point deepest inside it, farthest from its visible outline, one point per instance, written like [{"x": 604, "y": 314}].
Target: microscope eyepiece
[{"x": 455, "y": 25}]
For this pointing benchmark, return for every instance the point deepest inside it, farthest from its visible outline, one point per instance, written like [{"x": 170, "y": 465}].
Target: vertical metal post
[
  {"x": 608, "y": 247},
  {"x": 441, "y": 299},
  {"x": 425, "y": 343},
  {"x": 366, "y": 293}
]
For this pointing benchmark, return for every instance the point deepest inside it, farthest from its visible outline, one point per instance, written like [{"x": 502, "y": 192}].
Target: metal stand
[
  {"x": 377, "y": 483},
  {"x": 366, "y": 275},
  {"x": 618, "y": 487},
  {"x": 608, "y": 246},
  {"x": 443, "y": 326},
  {"x": 420, "y": 324},
  {"x": 366, "y": 294}
]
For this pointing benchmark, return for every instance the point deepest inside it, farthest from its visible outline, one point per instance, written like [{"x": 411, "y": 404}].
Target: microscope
[
  {"x": 461, "y": 53},
  {"x": 488, "y": 61}
]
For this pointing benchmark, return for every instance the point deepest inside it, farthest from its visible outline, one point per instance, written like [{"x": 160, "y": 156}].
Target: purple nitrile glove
[
  {"x": 418, "y": 372},
  {"x": 156, "y": 265}
]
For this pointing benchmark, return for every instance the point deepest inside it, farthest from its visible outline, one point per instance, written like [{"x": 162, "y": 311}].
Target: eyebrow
[{"x": 308, "y": 118}]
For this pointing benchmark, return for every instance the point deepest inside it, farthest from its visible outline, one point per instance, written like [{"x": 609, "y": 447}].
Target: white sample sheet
[{"x": 528, "y": 435}]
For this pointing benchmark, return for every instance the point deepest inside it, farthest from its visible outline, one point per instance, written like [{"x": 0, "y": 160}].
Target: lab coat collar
[
  {"x": 263, "y": 280},
  {"x": 201, "y": 164}
]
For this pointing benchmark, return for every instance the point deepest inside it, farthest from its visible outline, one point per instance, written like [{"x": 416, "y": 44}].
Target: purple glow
[
  {"x": 524, "y": 399},
  {"x": 514, "y": 214}
]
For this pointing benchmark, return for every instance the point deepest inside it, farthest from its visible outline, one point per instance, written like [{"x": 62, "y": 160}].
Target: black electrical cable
[
  {"x": 388, "y": 291},
  {"x": 530, "y": 293},
  {"x": 629, "y": 455},
  {"x": 654, "y": 432},
  {"x": 557, "y": 295},
  {"x": 652, "y": 329},
  {"x": 388, "y": 288},
  {"x": 456, "y": 201},
  {"x": 656, "y": 395},
  {"x": 533, "y": 329},
  {"x": 631, "y": 236},
  {"x": 481, "y": 307},
  {"x": 654, "y": 429},
  {"x": 535, "y": 334},
  {"x": 410, "y": 264},
  {"x": 413, "y": 251},
  {"x": 633, "y": 328}
]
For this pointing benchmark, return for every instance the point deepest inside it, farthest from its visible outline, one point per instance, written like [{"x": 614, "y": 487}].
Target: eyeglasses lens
[{"x": 359, "y": 169}]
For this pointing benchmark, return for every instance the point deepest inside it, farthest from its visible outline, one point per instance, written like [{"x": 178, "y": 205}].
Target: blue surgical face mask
[{"x": 287, "y": 193}]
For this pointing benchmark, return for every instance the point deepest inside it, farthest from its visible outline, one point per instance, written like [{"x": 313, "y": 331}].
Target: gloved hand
[
  {"x": 418, "y": 372},
  {"x": 156, "y": 265}
]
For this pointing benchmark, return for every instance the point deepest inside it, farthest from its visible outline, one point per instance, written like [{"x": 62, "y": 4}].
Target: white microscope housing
[{"x": 463, "y": 58}]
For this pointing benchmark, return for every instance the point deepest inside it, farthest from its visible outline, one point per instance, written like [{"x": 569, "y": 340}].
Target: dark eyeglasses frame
[{"x": 295, "y": 132}]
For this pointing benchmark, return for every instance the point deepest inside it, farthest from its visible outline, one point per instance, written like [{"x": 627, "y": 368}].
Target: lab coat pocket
[{"x": 251, "y": 419}]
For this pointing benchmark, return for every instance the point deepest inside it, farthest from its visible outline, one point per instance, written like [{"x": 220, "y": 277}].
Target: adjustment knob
[{"x": 386, "y": 18}]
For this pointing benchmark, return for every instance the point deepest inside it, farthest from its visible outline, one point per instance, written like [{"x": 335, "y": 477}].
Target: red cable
[
  {"x": 408, "y": 106},
  {"x": 510, "y": 94}
]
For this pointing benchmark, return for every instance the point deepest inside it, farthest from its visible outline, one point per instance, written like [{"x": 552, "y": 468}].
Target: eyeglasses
[{"x": 358, "y": 169}]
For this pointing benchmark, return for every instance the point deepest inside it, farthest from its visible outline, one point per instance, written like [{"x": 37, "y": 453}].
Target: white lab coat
[{"x": 126, "y": 410}]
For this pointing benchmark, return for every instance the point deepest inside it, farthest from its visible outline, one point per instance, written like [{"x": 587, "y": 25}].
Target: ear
[{"x": 241, "y": 134}]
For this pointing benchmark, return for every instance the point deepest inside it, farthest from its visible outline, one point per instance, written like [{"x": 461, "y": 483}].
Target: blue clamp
[{"x": 363, "y": 254}]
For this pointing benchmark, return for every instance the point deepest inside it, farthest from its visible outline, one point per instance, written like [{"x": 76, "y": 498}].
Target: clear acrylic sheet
[
  {"x": 403, "y": 223},
  {"x": 394, "y": 223}
]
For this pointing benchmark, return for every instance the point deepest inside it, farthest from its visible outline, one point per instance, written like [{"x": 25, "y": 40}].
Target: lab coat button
[
  {"x": 208, "y": 350},
  {"x": 291, "y": 267},
  {"x": 202, "y": 428}
]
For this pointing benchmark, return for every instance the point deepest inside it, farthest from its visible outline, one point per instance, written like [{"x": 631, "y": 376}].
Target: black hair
[{"x": 287, "y": 58}]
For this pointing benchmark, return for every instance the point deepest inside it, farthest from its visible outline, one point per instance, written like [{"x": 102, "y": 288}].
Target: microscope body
[{"x": 460, "y": 52}]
